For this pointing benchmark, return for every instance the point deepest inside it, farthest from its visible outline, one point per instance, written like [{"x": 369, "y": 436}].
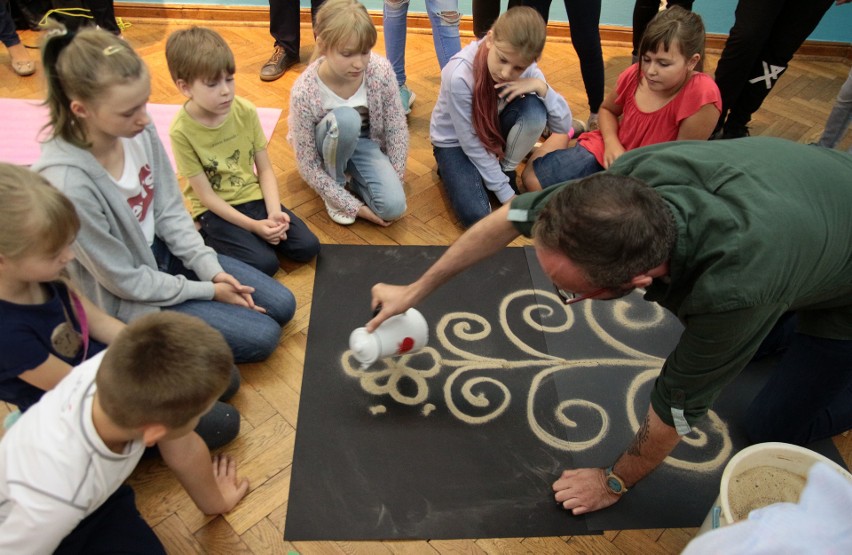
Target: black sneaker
[
  {"x": 277, "y": 65},
  {"x": 513, "y": 180},
  {"x": 735, "y": 132},
  {"x": 729, "y": 133}
]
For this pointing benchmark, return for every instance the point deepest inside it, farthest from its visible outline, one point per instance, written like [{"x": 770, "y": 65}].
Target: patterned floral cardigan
[{"x": 388, "y": 128}]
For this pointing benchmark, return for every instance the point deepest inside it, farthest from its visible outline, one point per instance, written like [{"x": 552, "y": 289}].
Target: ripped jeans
[
  {"x": 444, "y": 16},
  {"x": 345, "y": 150}
]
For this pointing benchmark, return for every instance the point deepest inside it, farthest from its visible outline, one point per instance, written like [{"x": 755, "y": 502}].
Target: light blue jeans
[
  {"x": 840, "y": 117},
  {"x": 444, "y": 17},
  {"x": 251, "y": 335},
  {"x": 344, "y": 149}
]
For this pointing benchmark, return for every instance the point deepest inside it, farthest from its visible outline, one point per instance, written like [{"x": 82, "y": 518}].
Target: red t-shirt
[{"x": 638, "y": 128}]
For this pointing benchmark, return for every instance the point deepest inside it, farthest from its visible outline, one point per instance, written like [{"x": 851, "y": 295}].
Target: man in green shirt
[{"x": 748, "y": 242}]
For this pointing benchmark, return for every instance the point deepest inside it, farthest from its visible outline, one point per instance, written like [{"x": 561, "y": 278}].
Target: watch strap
[{"x": 610, "y": 475}]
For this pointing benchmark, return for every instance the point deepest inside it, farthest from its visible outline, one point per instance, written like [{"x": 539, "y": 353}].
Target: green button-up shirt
[{"x": 764, "y": 226}]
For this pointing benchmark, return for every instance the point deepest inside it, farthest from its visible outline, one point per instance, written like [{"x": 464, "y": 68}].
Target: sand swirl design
[{"x": 474, "y": 390}]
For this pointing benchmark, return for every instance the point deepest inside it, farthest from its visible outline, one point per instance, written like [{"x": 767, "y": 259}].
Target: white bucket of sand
[{"x": 761, "y": 475}]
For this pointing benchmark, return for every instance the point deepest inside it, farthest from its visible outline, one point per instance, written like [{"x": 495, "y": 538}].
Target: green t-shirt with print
[{"x": 225, "y": 154}]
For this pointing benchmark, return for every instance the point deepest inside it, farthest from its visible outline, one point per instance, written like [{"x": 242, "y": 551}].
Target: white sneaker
[{"x": 339, "y": 217}]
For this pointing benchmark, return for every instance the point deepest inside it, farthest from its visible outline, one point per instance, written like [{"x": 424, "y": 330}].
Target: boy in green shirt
[{"x": 218, "y": 144}]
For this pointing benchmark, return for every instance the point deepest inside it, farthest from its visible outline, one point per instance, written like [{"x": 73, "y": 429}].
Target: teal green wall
[{"x": 718, "y": 15}]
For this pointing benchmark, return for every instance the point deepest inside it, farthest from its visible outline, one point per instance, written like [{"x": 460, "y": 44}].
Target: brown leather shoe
[{"x": 277, "y": 65}]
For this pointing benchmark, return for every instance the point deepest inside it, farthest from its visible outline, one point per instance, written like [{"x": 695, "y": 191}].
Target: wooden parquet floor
[{"x": 269, "y": 397}]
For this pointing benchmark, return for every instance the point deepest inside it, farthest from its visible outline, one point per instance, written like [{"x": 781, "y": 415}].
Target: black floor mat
[{"x": 464, "y": 439}]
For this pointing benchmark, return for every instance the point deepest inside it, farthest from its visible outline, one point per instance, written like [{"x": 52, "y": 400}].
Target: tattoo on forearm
[{"x": 640, "y": 438}]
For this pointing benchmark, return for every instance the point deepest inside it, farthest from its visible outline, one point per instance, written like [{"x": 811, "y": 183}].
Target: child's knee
[
  {"x": 469, "y": 214},
  {"x": 396, "y": 5},
  {"x": 529, "y": 178},
  {"x": 345, "y": 121},
  {"x": 219, "y": 426},
  {"x": 392, "y": 210},
  {"x": 532, "y": 110},
  {"x": 263, "y": 341},
  {"x": 265, "y": 261},
  {"x": 280, "y": 307},
  {"x": 391, "y": 204},
  {"x": 447, "y": 12},
  {"x": 304, "y": 249}
]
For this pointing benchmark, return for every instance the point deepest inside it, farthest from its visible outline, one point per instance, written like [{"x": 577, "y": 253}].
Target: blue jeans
[
  {"x": 565, "y": 164},
  {"x": 344, "y": 149},
  {"x": 840, "y": 117},
  {"x": 231, "y": 240},
  {"x": 251, "y": 335},
  {"x": 444, "y": 17},
  {"x": 521, "y": 123}
]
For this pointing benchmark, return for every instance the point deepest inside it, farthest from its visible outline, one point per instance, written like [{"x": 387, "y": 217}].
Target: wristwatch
[{"x": 614, "y": 483}]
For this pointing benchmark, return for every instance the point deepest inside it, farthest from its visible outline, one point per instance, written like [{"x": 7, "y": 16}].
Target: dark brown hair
[
  {"x": 675, "y": 25},
  {"x": 614, "y": 227}
]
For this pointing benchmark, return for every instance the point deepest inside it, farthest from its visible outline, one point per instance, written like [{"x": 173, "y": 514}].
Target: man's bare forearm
[
  {"x": 481, "y": 241},
  {"x": 650, "y": 446},
  {"x": 488, "y": 236}
]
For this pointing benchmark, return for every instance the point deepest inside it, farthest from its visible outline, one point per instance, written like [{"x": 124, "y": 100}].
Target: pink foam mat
[{"x": 23, "y": 121}]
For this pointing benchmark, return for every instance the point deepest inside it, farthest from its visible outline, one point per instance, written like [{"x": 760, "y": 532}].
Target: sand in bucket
[
  {"x": 761, "y": 486},
  {"x": 761, "y": 475},
  {"x": 768, "y": 473}
]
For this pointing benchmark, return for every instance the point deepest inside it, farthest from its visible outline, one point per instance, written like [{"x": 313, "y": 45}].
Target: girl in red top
[{"x": 664, "y": 97}]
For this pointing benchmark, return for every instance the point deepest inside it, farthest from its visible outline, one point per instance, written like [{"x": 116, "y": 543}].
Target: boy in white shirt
[{"x": 62, "y": 464}]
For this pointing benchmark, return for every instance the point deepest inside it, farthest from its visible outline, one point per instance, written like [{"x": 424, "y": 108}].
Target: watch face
[{"x": 613, "y": 484}]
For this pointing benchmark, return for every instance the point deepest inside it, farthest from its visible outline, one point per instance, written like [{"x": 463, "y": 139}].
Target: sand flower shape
[{"x": 388, "y": 376}]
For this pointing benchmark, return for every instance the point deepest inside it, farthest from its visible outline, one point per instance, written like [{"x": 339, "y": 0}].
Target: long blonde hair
[
  {"x": 339, "y": 20},
  {"x": 82, "y": 66},
  {"x": 35, "y": 218}
]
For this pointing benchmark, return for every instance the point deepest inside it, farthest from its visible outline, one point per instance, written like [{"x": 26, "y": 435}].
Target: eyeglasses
[{"x": 568, "y": 297}]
